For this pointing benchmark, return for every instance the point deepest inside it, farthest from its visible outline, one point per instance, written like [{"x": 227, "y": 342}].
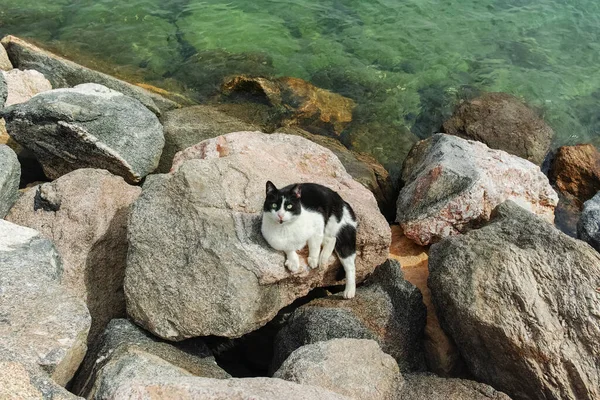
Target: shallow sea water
[{"x": 405, "y": 62}]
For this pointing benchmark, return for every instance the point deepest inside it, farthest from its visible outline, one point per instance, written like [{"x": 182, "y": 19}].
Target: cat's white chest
[{"x": 293, "y": 235}]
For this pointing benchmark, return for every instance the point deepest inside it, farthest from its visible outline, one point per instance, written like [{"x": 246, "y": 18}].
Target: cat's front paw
[
  {"x": 293, "y": 266},
  {"x": 313, "y": 262},
  {"x": 350, "y": 292}
]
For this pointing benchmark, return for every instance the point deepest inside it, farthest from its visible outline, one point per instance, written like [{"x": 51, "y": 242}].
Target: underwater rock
[
  {"x": 23, "y": 85},
  {"x": 88, "y": 126},
  {"x": 520, "y": 299},
  {"x": 356, "y": 368},
  {"x": 575, "y": 171},
  {"x": 10, "y": 174},
  {"x": 63, "y": 73},
  {"x": 125, "y": 344},
  {"x": 85, "y": 214},
  {"x": 387, "y": 309},
  {"x": 588, "y": 227},
  {"x": 429, "y": 386},
  {"x": 452, "y": 184},
  {"x": 502, "y": 122},
  {"x": 41, "y": 322},
  {"x": 299, "y": 102},
  {"x": 212, "y": 272}
]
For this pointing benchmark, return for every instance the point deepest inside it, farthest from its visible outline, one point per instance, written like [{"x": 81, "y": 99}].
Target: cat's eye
[
  {"x": 274, "y": 205},
  {"x": 288, "y": 207}
]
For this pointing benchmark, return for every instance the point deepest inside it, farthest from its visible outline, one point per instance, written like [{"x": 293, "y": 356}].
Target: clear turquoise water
[{"x": 405, "y": 63}]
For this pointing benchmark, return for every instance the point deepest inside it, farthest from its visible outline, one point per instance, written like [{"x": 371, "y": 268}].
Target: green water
[{"x": 405, "y": 63}]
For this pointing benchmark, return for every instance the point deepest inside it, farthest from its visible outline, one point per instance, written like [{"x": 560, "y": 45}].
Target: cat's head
[{"x": 282, "y": 205}]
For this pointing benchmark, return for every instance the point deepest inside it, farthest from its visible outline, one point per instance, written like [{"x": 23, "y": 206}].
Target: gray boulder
[
  {"x": 122, "y": 340},
  {"x": 63, "y": 73},
  {"x": 88, "y": 126},
  {"x": 10, "y": 174},
  {"x": 3, "y": 91},
  {"x": 588, "y": 226},
  {"x": 431, "y": 387},
  {"x": 199, "y": 227},
  {"x": 42, "y": 322},
  {"x": 356, "y": 368},
  {"x": 520, "y": 299},
  {"x": 387, "y": 309}
]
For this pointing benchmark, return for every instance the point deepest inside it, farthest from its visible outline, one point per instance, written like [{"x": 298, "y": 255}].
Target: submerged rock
[
  {"x": 299, "y": 102},
  {"x": 452, "y": 184},
  {"x": 387, "y": 309},
  {"x": 85, "y": 214},
  {"x": 588, "y": 227},
  {"x": 125, "y": 344},
  {"x": 576, "y": 171},
  {"x": 23, "y": 85},
  {"x": 89, "y": 126},
  {"x": 502, "y": 122},
  {"x": 521, "y": 301},
  {"x": 431, "y": 387},
  {"x": 10, "y": 174},
  {"x": 351, "y": 367},
  {"x": 41, "y": 322},
  {"x": 212, "y": 272},
  {"x": 63, "y": 73}
]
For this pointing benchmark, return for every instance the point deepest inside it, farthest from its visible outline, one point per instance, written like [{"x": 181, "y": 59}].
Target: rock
[
  {"x": 223, "y": 279},
  {"x": 502, "y": 122},
  {"x": 85, "y": 214},
  {"x": 386, "y": 309},
  {"x": 297, "y": 101},
  {"x": 42, "y": 323},
  {"x": 63, "y": 73},
  {"x": 23, "y": 85},
  {"x": 10, "y": 174},
  {"x": 3, "y": 91},
  {"x": 89, "y": 126},
  {"x": 5, "y": 64},
  {"x": 588, "y": 227},
  {"x": 356, "y": 368},
  {"x": 576, "y": 171},
  {"x": 431, "y": 387},
  {"x": 361, "y": 166},
  {"x": 185, "y": 127},
  {"x": 122, "y": 340},
  {"x": 520, "y": 299},
  {"x": 441, "y": 355},
  {"x": 452, "y": 184}
]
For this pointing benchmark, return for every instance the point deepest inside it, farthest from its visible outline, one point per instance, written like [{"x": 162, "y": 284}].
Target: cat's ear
[
  {"x": 270, "y": 187},
  {"x": 297, "y": 191}
]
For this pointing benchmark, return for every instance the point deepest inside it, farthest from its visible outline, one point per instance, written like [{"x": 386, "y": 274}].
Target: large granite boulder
[
  {"x": 85, "y": 214},
  {"x": 5, "y": 64},
  {"x": 387, "y": 309},
  {"x": 185, "y": 127},
  {"x": 122, "y": 340},
  {"x": 356, "y": 368},
  {"x": 521, "y": 301},
  {"x": 41, "y": 322},
  {"x": 575, "y": 171},
  {"x": 23, "y": 85},
  {"x": 197, "y": 262},
  {"x": 431, "y": 387},
  {"x": 452, "y": 184},
  {"x": 63, "y": 73},
  {"x": 502, "y": 122},
  {"x": 88, "y": 126},
  {"x": 588, "y": 226},
  {"x": 10, "y": 174},
  {"x": 3, "y": 91}
]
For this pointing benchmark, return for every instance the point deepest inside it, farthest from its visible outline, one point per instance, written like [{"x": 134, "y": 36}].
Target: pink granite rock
[
  {"x": 23, "y": 85},
  {"x": 451, "y": 184}
]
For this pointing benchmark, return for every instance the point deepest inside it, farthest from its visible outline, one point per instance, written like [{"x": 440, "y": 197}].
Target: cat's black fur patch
[{"x": 345, "y": 245}]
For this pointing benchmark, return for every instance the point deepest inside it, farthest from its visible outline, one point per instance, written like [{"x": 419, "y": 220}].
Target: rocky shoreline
[{"x": 132, "y": 264}]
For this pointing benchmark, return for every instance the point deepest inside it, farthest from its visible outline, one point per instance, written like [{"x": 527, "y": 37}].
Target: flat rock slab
[
  {"x": 453, "y": 184},
  {"x": 521, "y": 300},
  {"x": 197, "y": 262},
  {"x": 88, "y": 126},
  {"x": 41, "y": 321},
  {"x": 431, "y": 387},
  {"x": 10, "y": 174}
]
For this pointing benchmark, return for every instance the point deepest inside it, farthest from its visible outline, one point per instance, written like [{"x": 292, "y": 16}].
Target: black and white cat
[{"x": 310, "y": 213}]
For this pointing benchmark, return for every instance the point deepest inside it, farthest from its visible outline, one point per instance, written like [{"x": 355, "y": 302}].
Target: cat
[{"x": 309, "y": 213}]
